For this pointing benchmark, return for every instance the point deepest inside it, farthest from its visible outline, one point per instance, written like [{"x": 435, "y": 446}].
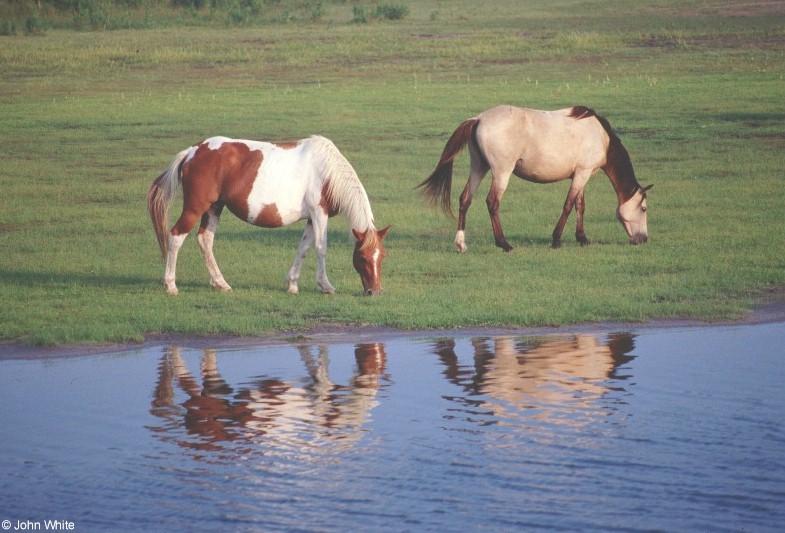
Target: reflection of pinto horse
[
  {"x": 275, "y": 412},
  {"x": 267, "y": 185},
  {"x": 542, "y": 147}
]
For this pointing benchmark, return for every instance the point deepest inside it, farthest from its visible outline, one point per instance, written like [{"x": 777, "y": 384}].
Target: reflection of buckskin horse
[
  {"x": 557, "y": 379},
  {"x": 269, "y": 411}
]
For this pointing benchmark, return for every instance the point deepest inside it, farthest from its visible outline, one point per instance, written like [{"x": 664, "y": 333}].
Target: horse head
[
  {"x": 632, "y": 215},
  {"x": 368, "y": 255}
]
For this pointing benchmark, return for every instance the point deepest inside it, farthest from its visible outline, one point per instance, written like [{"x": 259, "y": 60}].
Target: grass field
[{"x": 696, "y": 91}]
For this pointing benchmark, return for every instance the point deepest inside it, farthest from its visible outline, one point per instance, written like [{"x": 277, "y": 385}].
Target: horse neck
[
  {"x": 344, "y": 190},
  {"x": 619, "y": 169}
]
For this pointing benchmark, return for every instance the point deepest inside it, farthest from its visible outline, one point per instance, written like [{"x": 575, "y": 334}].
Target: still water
[{"x": 655, "y": 429}]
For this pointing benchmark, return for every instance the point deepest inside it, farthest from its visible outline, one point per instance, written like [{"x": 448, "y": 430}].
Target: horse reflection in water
[
  {"x": 558, "y": 380},
  {"x": 267, "y": 414}
]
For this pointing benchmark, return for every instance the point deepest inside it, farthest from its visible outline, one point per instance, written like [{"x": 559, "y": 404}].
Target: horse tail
[
  {"x": 438, "y": 185},
  {"x": 160, "y": 195}
]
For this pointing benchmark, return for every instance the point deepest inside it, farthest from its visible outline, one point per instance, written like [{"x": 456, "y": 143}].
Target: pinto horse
[
  {"x": 268, "y": 185},
  {"x": 541, "y": 147}
]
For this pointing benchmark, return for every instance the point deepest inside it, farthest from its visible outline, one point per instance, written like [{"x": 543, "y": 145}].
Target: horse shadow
[{"x": 48, "y": 279}]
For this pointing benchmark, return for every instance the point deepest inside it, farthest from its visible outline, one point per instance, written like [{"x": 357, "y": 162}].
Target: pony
[
  {"x": 541, "y": 147},
  {"x": 269, "y": 185}
]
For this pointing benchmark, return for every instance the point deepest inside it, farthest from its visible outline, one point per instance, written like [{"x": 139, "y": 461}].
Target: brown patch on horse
[
  {"x": 226, "y": 174},
  {"x": 618, "y": 166},
  {"x": 437, "y": 186},
  {"x": 215, "y": 209},
  {"x": 269, "y": 217},
  {"x": 287, "y": 145},
  {"x": 327, "y": 203}
]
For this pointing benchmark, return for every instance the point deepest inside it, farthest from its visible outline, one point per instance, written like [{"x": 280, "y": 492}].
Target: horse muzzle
[
  {"x": 639, "y": 238},
  {"x": 373, "y": 292}
]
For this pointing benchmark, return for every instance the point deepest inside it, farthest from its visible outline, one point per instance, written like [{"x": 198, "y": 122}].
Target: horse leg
[
  {"x": 478, "y": 170},
  {"x": 305, "y": 243},
  {"x": 205, "y": 238},
  {"x": 579, "y": 180},
  {"x": 319, "y": 222},
  {"x": 580, "y": 207},
  {"x": 177, "y": 236},
  {"x": 494, "y": 199}
]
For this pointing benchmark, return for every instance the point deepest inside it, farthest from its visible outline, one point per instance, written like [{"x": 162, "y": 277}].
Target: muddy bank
[{"x": 771, "y": 308}]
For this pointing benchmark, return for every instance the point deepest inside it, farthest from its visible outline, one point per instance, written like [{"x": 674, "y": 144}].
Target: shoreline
[{"x": 770, "y": 309}]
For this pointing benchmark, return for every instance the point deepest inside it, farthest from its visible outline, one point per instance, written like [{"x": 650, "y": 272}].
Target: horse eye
[{"x": 643, "y": 208}]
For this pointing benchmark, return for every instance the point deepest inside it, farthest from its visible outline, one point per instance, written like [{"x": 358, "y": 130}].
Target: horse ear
[
  {"x": 359, "y": 235},
  {"x": 383, "y": 232},
  {"x": 647, "y": 187}
]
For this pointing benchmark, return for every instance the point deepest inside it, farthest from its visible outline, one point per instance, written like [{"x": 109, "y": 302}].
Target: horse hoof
[
  {"x": 461, "y": 248},
  {"x": 556, "y": 245},
  {"x": 504, "y": 246},
  {"x": 327, "y": 289},
  {"x": 293, "y": 289},
  {"x": 172, "y": 291},
  {"x": 584, "y": 241},
  {"x": 221, "y": 287}
]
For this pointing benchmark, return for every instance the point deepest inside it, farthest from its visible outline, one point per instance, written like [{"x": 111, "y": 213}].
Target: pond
[{"x": 648, "y": 429}]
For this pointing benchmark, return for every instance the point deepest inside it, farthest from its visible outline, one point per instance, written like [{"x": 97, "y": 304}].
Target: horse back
[
  {"x": 541, "y": 146},
  {"x": 259, "y": 182}
]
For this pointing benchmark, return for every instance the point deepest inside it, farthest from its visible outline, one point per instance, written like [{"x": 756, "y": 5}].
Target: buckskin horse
[
  {"x": 268, "y": 185},
  {"x": 541, "y": 147}
]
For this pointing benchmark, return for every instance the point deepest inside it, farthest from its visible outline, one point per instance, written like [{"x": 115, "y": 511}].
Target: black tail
[{"x": 437, "y": 187}]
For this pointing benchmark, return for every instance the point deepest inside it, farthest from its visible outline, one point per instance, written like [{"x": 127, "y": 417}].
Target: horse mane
[
  {"x": 344, "y": 191},
  {"x": 619, "y": 166},
  {"x": 371, "y": 240}
]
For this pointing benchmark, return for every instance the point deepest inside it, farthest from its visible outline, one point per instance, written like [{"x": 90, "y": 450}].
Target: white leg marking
[
  {"x": 460, "y": 241},
  {"x": 175, "y": 242},
  {"x": 319, "y": 221},
  {"x": 205, "y": 240},
  {"x": 294, "y": 273}
]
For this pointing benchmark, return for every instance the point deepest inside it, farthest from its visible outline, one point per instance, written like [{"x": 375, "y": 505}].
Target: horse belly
[{"x": 542, "y": 171}]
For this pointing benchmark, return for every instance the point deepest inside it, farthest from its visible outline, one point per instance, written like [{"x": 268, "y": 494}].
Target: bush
[
  {"x": 33, "y": 25},
  {"x": 7, "y": 27},
  {"x": 391, "y": 11},
  {"x": 90, "y": 13},
  {"x": 358, "y": 15},
  {"x": 194, "y": 4}
]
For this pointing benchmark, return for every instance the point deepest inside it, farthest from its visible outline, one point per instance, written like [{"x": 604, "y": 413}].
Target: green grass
[{"x": 88, "y": 119}]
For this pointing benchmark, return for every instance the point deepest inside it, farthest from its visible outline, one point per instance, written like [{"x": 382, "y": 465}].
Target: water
[{"x": 671, "y": 429}]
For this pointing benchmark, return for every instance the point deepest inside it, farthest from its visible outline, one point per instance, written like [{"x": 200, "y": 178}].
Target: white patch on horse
[
  {"x": 214, "y": 143},
  {"x": 375, "y": 259},
  {"x": 282, "y": 179}
]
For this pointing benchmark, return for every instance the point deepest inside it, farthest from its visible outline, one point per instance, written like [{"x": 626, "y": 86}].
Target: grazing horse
[
  {"x": 542, "y": 147},
  {"x": 268, "y": 185}
]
